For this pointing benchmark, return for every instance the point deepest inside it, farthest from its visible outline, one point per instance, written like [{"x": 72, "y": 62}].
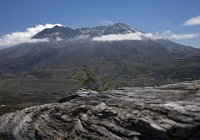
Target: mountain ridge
[{"x": 67, "y": 32}]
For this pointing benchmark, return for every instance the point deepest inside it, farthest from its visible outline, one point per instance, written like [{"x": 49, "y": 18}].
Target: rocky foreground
[{"x": 169, "y": 112}]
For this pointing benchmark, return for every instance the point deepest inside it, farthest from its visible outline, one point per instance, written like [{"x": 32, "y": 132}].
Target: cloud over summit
[
  {"x": 119, "y": 37},
  {"x": 139, "y": 36},
  {"x": 26, "y": 36}
]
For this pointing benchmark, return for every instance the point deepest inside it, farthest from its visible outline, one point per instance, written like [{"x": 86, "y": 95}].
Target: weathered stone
[{"x": 150, "y": 113}]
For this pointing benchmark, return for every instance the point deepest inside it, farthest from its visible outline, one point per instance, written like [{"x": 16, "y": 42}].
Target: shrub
[{"x": 89, "y": 81}]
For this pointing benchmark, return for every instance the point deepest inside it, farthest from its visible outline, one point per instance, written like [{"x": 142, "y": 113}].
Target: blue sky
[{"x": 147, "y": 15}]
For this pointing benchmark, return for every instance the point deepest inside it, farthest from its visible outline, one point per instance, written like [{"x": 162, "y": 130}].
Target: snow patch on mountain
[{"x": 59, "y": 39}]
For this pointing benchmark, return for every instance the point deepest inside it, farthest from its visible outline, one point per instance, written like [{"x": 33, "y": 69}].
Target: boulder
[{"x": 168, "y": 112}]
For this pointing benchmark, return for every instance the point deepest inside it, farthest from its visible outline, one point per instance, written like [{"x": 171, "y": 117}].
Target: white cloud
[
  {"x": 22, "y": 37},
  {"x": 170, "y": 35},
  {"x": 119, "y": 37},
  {"x": 139, "y": 36},
  {"x": 193, "y": 21}
]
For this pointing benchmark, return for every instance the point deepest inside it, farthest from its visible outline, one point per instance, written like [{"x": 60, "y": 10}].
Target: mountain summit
[{"x": 69, "y": 33}]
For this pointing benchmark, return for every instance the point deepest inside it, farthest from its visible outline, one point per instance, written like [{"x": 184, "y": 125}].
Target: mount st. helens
[{"x": 137, "y": 60}]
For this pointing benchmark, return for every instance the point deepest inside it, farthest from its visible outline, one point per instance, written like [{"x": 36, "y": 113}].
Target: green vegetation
[{"x": 89, "y": 81}]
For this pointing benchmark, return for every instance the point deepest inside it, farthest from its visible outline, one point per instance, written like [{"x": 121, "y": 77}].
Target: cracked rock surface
[{"x": 168, "y": 112}]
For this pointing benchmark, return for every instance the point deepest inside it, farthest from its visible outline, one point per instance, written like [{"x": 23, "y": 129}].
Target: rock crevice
[{"x": 150, "y": 113}]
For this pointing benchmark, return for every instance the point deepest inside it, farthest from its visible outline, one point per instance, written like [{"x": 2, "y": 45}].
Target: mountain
[
  {"x": 125, "y": 62},
  {"x": 69, "y": 33}
]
